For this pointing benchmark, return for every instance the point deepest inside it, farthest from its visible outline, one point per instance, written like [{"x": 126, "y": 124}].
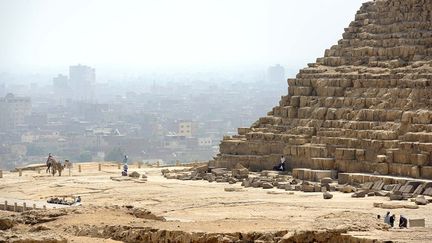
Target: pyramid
[{"x": 366, "y": 106}]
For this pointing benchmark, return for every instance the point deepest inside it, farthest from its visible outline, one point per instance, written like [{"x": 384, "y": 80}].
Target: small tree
[
  {"x": 116, "y": 154},
  {"x": 33, "y": 149},
  {"x": 85, "y": 156}
]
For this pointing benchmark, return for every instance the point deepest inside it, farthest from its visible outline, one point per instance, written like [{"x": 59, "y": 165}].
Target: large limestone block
[
  {"x": 320, "y": 174},
  {"x": 299, "y": 91},
  {"x": 343, "y": 178},
  {"x": 417, "y": 222},
  {"x": 419, "y": 159},
  {"x": 400, "y": 169},
  {"x": 299, "y": 173},
  {"x": 426, "y": 172},
  {"x": 401, "y": 157},
  {"x": 323, "y": 163},
  {"x": 243, "y": 130},
  {"x": 345, "y": 154}
]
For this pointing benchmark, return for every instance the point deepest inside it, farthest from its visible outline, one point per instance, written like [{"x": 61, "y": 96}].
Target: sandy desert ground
[{"x": 188, "y": 206}]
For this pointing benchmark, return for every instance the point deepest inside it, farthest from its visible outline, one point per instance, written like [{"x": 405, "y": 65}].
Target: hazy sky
[{"x": 168, "y": 33}]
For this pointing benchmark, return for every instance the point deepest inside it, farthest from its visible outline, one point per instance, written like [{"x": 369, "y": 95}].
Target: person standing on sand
[
  {"x": 387, "y": 218},
  {"x": 125, "y": 166},
  {"x": 392, "y": 220},
  {"x": 403, "y": 222}
]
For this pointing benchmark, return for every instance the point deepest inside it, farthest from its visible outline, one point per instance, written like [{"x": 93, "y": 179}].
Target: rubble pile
[{"x": 398, "y": 189}]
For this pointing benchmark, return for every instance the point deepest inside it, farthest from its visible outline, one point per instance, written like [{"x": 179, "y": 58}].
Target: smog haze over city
[{"x": 94, "y": 80}]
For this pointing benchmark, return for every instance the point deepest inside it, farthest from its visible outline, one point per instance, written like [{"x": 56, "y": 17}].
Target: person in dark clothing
[
  {"x": 392, "y": 220},
  {"x": 281, "y": 165},
  {"x": 403, "y": 222}
]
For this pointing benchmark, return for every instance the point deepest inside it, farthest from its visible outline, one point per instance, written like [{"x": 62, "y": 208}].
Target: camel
[{"x": 53, "y": 166}]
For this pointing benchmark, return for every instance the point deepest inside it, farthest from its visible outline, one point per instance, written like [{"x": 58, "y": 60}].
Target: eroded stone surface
[{"x": 363, "y": 107}]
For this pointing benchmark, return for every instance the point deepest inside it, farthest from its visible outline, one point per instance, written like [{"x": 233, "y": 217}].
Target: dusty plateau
[{"x": 185, "y": 210}]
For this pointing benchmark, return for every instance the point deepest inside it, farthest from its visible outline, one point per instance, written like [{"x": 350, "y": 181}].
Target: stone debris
[
  {"x": 361, "y": 193},
  {"x": 327, "y": 195},
  {"x": 395, "y": 206},
  {"x": 6, "y": 223},
  {"x": 232, "y": 189},
  {"x": 421, "y": 200},
  {"x": 397, "y": 195},
  {"x": 144, "y": 214},
  {"x": 403, "y": 190},
  {"x": 347, "y": 189},
  {"x": 134, "y": 174}
]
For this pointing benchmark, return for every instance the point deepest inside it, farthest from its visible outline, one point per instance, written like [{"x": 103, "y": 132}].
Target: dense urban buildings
[
  {"x": 13, "y": 111},
  {"x": 152, "y": 117}
]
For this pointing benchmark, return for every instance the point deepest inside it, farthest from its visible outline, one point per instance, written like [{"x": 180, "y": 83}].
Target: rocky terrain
[
  {"x": 355, "y": 128},
  {"x": 191, "y": 210}
]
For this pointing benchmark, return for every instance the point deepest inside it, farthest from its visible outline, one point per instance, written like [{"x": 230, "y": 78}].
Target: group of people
[
  {"x": 390, "y": 220},
  {"x": 76, "y": 201}
]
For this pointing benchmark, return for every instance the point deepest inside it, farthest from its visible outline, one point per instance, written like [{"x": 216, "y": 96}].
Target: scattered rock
[
  {"x": 201, "y": 168},
  {"x": 246, "y": 183},
  {"x": 219, "y": 171},
  {"x": 233, "y": 189},
  {"x": 266, "y": 185},
  {"x": 377, "y": 204},
  {"x": 396, "y": 196},
  {"x": 308, "y": 188},
  {"x": 409, "y": 206},
  {"x": 134, "y": 174},
  {"x": 421, "y": 200},
  {"x": 327, "y": 195},
  {"x": 381, "y": 193},
  {"x": 39, "y": 228},
  {"x": 326, "y": 180},
  {"x": 6, "y": 223},
  {"x": 240, "y": 172},
  {"x": 232, "y": 180},
  {"x": 360, "y": 194},
  {"x": 347, "y": 189},
  {"x": 145, "y": 214},
  {"x": 165, "y": 171}
]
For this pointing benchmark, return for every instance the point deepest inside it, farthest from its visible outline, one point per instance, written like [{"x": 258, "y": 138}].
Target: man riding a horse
[{"x": 53, "y": 166}]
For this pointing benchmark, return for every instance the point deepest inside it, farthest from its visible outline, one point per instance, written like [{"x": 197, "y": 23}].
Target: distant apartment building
[
  {"x": 276, "y": 74},
  {"x": 185, "y": 128},
  {"x": 205, "y": 142},
  {"x": 82, "y": 80},
  {"x": 13, "y": 111},
  {"x": 61, "y": 87},
  {"x": 61, "y": 83}
]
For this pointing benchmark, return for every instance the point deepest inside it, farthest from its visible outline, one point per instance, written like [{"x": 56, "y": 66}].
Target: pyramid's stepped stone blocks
[{"x": 366, "y": 106}]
